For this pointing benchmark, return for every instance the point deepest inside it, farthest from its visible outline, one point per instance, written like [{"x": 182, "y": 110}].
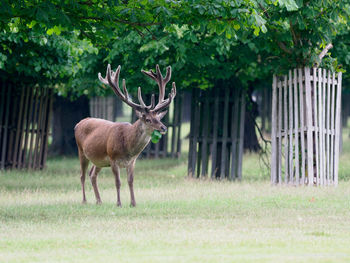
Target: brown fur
[{"x": 115, "y": 144}]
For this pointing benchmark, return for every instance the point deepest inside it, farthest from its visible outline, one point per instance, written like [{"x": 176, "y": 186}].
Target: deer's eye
[{"x": 148, "y": 120}]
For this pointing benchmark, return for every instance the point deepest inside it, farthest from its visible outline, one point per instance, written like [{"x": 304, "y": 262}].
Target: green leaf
[
  {"x": 236, "y": 26},
  {"x": 257, "y": 31},
  {"x": 291, "y": 5},
  {"x": 156, "y": 136}
]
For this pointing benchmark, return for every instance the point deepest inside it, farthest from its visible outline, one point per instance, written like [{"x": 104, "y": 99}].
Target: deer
[{"x": 118, "y": 144}]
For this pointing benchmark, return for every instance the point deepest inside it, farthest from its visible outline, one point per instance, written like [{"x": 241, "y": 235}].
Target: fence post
[{"x": 273, "y": 132}]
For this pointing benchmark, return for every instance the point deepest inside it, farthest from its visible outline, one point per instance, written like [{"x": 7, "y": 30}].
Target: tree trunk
[
  {"x": 251, "y": 142},
  {"x": 66, "y": 114}
]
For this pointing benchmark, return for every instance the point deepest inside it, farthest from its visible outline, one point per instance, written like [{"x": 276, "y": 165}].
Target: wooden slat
[
  {"x": 279, "y": 131},
  {"x": 44, "y": 127},
  {"x": 175, "y": 121},
  {"x": 28, "y": 126},
  {"x": 321, "y": 126},
  {"x": 337, "y": 128},
  {"x": 32, "y": 131},
  {"x": 12, "y": 126},
  {"x": 156, "y": 151},
  {"x": 3, "y": 88},
  {"x": 24, "y": 127},
  {"x": 5, "y": 126},
  {"x": 164, "y": 149},
  {"x": 195, "y": 136},
  {"x": 105, "y": 109},
  {"x": 215, "y": 134},
  {"x": 332, "y": 127},
  {"x": 290, "y": 128},
  {"x": 315, "y": 124},
  {"x": 234, "y": 132},
  {"x": 18, "y": 130},
  {"x": 199, "y": 142},
  {"x": 274, "y": 154},
  {"x": 328, "y": 119},
  {"x": 285, "y": 128},
  {"x": 47, "y": 128},
  {"x": 324, "y": 132},
  {"x": 191, "y": 138},
  {"x": 224, "y": 135},
  {"x": 98, "y": 114},
  {"x": 179, "y": 119},
  {"x": 38, "y": 128},
  {"x": 302, "y": 123},
  {"x": 296, "y": 126},
  {"x": 310, "y": 153},
  {"x": 205, "y": 130},
  {"x": 148, "y": 150},
  {"x": 241, "y": 136}
]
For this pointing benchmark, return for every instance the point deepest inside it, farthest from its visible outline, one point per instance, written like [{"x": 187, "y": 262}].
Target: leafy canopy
[{"x": 243, "y": 41}]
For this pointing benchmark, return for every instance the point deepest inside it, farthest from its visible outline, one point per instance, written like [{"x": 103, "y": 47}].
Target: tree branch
[
  {"x": 324, "y": 51},
  {"x": 294, "y": 36},
  {"x": 284, "y": 48},
  {"x": 322, "y": 54}
]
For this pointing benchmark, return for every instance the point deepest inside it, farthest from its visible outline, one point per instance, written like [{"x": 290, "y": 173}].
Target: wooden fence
[
  {"x": 103, "y": 107},
  {"x": 306, "y": 106},
  {"x": 217, "y": 133},
  {"x": 24, "y": 126}
]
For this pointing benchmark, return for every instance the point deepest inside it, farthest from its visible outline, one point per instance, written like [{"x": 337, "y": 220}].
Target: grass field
[{"x": 176, "y": 219}]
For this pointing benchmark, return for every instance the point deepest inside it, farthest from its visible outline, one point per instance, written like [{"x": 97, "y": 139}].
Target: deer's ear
[
  {"x": 138, "y": 114},
  {"x": 162, "y": 114}
]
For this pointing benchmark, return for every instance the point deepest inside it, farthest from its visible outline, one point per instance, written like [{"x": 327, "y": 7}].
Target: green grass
[{"x": 176, "y": 219}]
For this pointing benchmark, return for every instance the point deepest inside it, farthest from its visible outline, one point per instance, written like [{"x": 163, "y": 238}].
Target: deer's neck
[{"x": 139, "y": 137}]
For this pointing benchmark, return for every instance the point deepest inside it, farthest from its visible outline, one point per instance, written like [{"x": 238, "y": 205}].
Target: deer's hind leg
[
  {"x": 116, "y": 173},
  {"x": 84, "y": 163},
  {"x": 93, "y": 177}
]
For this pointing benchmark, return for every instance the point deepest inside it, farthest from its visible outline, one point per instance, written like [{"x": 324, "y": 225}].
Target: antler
[
  {"x": 158, "y": 77},
  {"x": 112, "y": 80}
]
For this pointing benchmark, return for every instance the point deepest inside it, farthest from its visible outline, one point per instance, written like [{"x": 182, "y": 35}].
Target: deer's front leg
[
  {"x": 130, "y": 172},
  {"x": 115, "y": 170}
]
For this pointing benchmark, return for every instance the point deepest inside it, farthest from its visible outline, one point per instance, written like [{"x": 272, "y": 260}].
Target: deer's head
[{"x": 150, "y": 115}]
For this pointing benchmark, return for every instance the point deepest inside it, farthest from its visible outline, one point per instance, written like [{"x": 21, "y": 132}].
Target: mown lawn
[{"x": 176, "y": 219}]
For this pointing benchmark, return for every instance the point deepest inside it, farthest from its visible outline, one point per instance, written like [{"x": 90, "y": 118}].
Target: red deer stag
[{"x": 118, "y": 144}]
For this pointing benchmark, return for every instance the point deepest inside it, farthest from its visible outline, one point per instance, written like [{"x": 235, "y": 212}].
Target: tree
[{"x": 203, "y": 40}]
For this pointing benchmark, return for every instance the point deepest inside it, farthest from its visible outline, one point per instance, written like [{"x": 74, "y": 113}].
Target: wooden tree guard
[
  {"x": 217, "y": 133},
  {"x": 170, "y": 143},
  {"x": 103, "y": 107},
  {"x": 306, "y": 119},
  {"x": 24, "y": 126}
]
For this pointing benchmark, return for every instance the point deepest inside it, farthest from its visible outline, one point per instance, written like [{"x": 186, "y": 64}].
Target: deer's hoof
[
  {"x": 119, "y": 204},
  {"x": 83, "y": 202},
  {"x": 132, "y": 204},
  {"x": 98, "y": 202}
]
